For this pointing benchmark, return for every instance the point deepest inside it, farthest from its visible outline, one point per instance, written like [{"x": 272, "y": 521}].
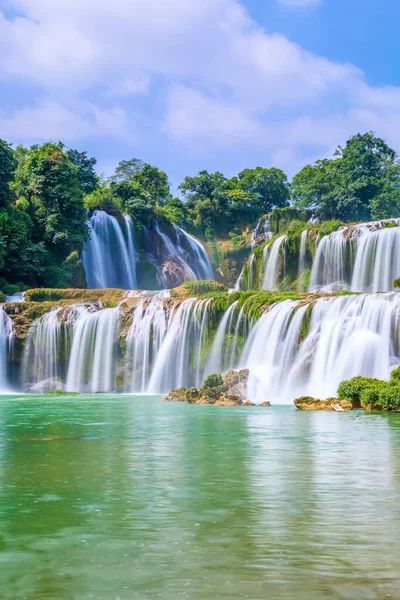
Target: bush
[
  {"x": 354, "y": 388},
  {"x": 389, "y": 397},
  {"x": 213, "y": 381},
  {"x": 395, "y": 375}
]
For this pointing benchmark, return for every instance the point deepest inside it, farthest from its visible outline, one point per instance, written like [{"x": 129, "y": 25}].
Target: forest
[{"x": 47, "y": 192}]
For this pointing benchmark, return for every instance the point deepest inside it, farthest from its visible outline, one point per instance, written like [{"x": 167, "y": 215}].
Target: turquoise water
[{"x": 127, "y": 497}]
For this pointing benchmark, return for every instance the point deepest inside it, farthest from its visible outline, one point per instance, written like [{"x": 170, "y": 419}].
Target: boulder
[
  {"x": 266, "y": 403},
  {"x": 310, "y": 403},
  {"x": 228, "y": 400},
  {"x": 45, "y": 386}
]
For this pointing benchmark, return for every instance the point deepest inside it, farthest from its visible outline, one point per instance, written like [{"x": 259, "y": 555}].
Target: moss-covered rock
[
  {"x": 197, "y": 288},
  {"x": 310, "y": 403}
]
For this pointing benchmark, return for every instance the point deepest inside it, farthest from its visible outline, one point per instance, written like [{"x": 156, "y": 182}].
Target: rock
[
  {"x": 177, "y": 395},
  {"x": 45, "y": 386},
  {"x": 192, "y": 395},
  {"x": 228, "y": 400},
  {"x": 249, "y": 403},
  {"x": 310, "y": 403},
  {"x": 235, "y": 382},
  {"x": 266, "y": 403}
]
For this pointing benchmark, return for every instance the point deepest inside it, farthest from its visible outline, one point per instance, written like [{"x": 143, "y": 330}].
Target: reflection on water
[{"x": 125, "y": 497}]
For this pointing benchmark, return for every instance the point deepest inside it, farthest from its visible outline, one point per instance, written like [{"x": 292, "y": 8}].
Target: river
[{"x": 122, "y": 497}]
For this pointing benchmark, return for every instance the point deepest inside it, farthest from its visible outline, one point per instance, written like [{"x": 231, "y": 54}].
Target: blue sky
[{"x": 193, "y": 84}]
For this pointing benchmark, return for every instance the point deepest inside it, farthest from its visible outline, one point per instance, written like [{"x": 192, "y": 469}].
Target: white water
[
  {"x": 6, "y": 339},
  {"x": 302, "y": 257},
  {"x": 108, "y": 257},
  {"x": 271, "y": 257},
  {"x": 348, "y": 336},
  {"x": 363, "y": 258},
  {"x": 262, "y": 232},
  {"x": 92, "y": 358}
]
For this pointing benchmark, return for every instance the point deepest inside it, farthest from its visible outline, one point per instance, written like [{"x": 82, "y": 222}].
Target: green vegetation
[
  {"x": 372, "y": 394},
  {"x": 46, "y": 191}
]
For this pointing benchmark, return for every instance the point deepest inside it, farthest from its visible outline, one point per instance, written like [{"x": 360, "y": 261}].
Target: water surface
[{"x": 126, "y": 497}]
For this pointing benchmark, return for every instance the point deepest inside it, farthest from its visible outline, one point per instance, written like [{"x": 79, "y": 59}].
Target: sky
[{"x": 199, "y": 84}]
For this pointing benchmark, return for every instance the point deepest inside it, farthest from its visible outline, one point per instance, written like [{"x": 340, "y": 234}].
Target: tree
[
  {"x": 360, "y": 183},
  {"x": 7, "y": 167},
  {"x": 55, "y": 196},
  {"x": 86, "y": 173},
  {"x": 268, "y": 188},
  {"x": 315, "y": 188},
  {"x": 203, "y": 186},
  {"x": 126, "y": 169}
]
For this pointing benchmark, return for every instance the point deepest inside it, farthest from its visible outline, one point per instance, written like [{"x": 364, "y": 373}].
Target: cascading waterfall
[
  {"x": 6, "y": 339},
  {"x": 348, "y": 336},
  {"x": 377, "y": 261},
  {"x": 262, "y": 232},
  {"x": 91, "y": 365},
  {"x": 271, "y": 257},
  {"x": 302, "y": 258},
  {"x": 363, "y": 258},
  {"x": 109, "y": 257},
  {"x": 179, "y": 359},
  {"x": 201, "y": 262}
]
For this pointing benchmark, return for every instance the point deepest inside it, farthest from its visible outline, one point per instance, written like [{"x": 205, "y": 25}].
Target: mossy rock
[
  {"x": 197, "y": 288},
  {"x": 310, "y": 403}
]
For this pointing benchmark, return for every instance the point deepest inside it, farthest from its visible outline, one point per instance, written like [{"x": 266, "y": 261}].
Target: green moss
[
  {"x": 197, "y": 288},
  {"x": 396, "y": 283}
]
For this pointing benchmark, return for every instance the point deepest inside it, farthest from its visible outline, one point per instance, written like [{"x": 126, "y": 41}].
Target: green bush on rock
[{"x": 372, "y": 394}]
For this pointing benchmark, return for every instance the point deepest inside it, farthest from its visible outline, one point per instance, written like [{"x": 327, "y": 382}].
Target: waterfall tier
[
  {"x": 360, "y": 258},
  {"x": 114, "y": 253},
  {"x": 6, "y": 340},
  {"x": 153, "y": 344}
]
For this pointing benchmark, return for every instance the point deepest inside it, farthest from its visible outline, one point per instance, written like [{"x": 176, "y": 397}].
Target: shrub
[
  {"x": 395, "y": 375},
  {"x": 354, "y": 388},
  {"x": 389, "y": 398},
  {"x": 213, "y": 381}
]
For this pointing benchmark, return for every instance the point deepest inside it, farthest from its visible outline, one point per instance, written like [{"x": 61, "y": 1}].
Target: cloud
[{"x": 198, "y": 74}]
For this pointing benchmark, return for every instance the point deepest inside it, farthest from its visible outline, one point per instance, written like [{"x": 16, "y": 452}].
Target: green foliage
[
  {"x": 102, "y": 199},
  {"x": 361, "y": 182},
  {"x": 372, "y": 394},
  {"x": 396, "y": 283},
  {"x": 198, "y": 288},
  {"x": 282, "y": 218},
  {"x": 86, "y": 173},
  {"x": 354, "y": 388},
  {"x": 213, "y": 381},
  {"x": 8, "y": 165},
  {"x": 52, "y": 186},
  {"x": 395, "y": 375}
]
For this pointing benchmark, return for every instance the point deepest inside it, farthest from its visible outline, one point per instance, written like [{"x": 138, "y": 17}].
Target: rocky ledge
[
  {"x": 219, "y": 390},
  {"x": 333, "y": 404}
]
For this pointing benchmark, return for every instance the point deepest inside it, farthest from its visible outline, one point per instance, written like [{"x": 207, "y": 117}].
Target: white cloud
[{"x": 203, "y": 72}]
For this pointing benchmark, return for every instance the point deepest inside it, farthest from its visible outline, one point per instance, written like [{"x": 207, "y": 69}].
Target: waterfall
[
  {"x": 144, "y": 339},
  {"x": 262, "y": 232},
  {"x": 6, "y": 339},
  {"x": 377, "y": 261},
  {"x": 179, "y": 359},
  {"x": 42, "y": 349},
  {"x": 363, "y": 258},
  {"x": 302, "y": 257},
  {"x": 108, "y": 257},
  {"x": 92, "y": 359},
  {"x": 201, "y": 262},
  {"x": 216, "y": 362},
  {"x": 328, "y": 265},
  {"x": 271, "y": 257},
  {"x": 347, "y": 336}
]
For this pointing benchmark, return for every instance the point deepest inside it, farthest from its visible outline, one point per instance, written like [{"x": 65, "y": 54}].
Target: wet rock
[
  {"x": 45, "y": 386},
  {"x": 177, "y": 395},
  {"x": 266, "y": 403},
  {"x": 228, "y": 400},
  {"x": 249, "y": 403},
  {"x": 310, "y": 403}
]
